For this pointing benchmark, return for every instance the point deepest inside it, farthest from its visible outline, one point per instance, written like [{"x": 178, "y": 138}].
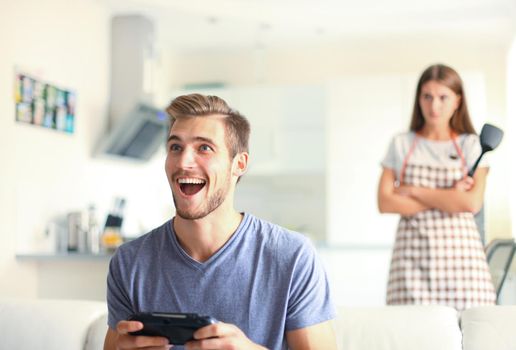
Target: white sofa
[
  {"x": 52, "y": 324},
  {"x": 81, "y": 325},
  {"x": 426, "y": 328}
]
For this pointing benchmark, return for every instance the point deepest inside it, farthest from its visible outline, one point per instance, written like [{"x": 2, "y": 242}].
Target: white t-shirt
[{"x": 433, "y": 153}]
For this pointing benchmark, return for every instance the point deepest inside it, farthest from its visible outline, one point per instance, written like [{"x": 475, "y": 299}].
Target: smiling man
[{"x": 263, "y": 283}]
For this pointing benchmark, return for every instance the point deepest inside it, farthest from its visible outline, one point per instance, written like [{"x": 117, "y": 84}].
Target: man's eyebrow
[
  {"x": 204, "y": 139},
  {"x": 173, "y": 137},
  {"x": 197, "y": 138}
]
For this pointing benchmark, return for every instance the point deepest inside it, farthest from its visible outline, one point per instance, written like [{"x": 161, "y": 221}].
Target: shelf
[
  {"x": 63, "y": 256},
  {"x": 329, "y": 247}
]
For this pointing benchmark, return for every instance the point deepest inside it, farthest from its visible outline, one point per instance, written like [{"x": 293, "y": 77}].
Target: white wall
[
  {"x": 511, "y": 129},
  {"x": 361, "y": 75},
  {"x": 64, "y": 42},
  {"x": 46, "y": 173},
  {"x": 396, "y": 55},
  {"x": 43, "y": 173}
]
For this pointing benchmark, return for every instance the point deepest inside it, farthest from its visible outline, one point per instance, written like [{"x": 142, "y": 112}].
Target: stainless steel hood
[
  {"x": 136, "y": 128},
  {"x": 138, "y": 136}
]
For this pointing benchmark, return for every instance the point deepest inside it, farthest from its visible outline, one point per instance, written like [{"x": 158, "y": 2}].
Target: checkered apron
[{"x": 438, "y": 257}]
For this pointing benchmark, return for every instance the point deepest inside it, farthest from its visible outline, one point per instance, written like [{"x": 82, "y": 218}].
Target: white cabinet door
[
  {"x": 262, "y": 106},
  {"x": 302, "y": 130},
  {"x": 363, "y": 115},
  {"x": 287, "y": 127}
]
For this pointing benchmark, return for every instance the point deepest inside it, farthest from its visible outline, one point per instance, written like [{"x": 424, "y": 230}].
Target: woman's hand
[
  {"x": 396, "y": 199},
  {"x": 402, "y": 190},
  {"x": 464, "y": 184}
]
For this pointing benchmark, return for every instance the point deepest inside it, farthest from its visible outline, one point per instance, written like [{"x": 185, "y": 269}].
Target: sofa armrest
[
  {"x": 49, "y": 324},
  {"x": 398, "y": 328},
  {"x": 489, "y": 327},
  {"x": 97, "y": 334}
]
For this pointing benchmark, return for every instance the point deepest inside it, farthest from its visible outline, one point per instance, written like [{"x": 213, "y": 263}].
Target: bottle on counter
[
  {"x": 74, "y": 232},
  {"x": 93, "y": 233},
  {"x": 112, "y": 235}
]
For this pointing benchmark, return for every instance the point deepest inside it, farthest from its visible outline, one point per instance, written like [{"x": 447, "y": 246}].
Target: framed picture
[{"x": 43, "y": 104}]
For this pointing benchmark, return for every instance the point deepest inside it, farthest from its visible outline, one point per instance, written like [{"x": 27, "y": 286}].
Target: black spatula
[{"x": 490, "y": 138}]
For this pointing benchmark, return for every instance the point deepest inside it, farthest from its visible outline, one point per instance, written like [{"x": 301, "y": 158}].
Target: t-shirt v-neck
[{"x": 218, "y": 257}]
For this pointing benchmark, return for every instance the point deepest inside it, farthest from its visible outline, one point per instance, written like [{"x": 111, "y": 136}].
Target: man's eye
[
  {"x": 205, "y": 148},
  {"x": 174, "y": 147}
]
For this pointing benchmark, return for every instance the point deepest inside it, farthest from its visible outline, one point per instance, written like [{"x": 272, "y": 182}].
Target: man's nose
[{"x": 187, "y": 158}]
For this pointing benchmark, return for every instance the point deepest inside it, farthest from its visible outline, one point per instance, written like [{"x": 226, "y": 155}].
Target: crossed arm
[
  {"x": 221, "y": 336},
  {"x": 467, "y": 195}
]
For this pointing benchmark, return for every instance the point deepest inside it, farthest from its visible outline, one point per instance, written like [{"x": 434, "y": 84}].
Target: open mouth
[{"x": 190, "y": 186}]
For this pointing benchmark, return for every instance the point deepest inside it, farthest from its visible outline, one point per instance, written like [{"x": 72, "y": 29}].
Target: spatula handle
[{"x": 472, "y": 170}]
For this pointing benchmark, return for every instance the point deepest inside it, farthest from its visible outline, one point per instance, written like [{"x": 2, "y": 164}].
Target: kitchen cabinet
[
  {"x": 287, "y": 126},
  {"x": 287, "y": 154}
]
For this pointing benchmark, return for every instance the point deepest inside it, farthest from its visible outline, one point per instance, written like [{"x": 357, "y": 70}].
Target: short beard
[{"x": 213, "y": 203}]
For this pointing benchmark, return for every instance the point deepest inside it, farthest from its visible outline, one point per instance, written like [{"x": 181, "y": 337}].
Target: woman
[{"x": 438, "y": 257}]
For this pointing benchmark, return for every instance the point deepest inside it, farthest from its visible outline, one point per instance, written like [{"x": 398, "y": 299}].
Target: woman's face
[{"x": 438, "y": 103}]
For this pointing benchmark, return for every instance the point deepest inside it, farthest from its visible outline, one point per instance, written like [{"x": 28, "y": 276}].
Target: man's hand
[
  {"x": 221, "y": 336},
  {"x": 121, "y": 339}
]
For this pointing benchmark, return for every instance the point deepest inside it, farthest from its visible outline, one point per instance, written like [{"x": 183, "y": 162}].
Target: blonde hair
[{"x": 196, "y": 105}]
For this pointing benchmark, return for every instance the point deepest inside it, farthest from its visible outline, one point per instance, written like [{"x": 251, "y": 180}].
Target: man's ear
[{"x": 240, "y": 164}]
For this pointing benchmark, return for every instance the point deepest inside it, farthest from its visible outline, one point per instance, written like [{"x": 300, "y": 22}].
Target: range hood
[
  {"x": 138, "y": 136},
  {"x": 136, "y": 128}
]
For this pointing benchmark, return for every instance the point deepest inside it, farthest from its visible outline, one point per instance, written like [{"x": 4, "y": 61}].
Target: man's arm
[
  {"x": 317, "y": 337},
  {"x": 110, "y": 340}
]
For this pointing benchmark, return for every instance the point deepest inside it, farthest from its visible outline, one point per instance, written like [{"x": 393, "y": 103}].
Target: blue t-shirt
[{"x": 266, "y": 280}]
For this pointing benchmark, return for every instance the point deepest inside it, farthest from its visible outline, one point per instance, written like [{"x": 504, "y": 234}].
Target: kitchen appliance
[
  {"x": 490, "y": 138},
  {"x": 138, "y": 136},
  {"x": 136, "y": 128}
]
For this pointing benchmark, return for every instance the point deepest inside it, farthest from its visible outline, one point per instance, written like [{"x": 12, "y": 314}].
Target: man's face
[{"x": 198, "y": 166}]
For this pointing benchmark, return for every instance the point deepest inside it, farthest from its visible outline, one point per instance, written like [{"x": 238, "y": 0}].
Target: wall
[
  {"x": 391, "y": 65},
  {"x": 66, "y": 42},
  {"x": 400, "y": 55},
  {"x": 46, "y": 173},
  {"x": 511, "y": 130},
  {"x": 54, "y": 42}
]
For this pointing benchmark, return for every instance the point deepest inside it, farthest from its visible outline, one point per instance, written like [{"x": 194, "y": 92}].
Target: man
[{"x": 263, "y": 284}]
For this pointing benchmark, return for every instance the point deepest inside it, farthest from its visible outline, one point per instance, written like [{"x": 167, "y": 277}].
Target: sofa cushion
[
  {"x": 489, "y": 327},
  {"x": 47, "y": 324},
  {"x": 398, "y": 328}
]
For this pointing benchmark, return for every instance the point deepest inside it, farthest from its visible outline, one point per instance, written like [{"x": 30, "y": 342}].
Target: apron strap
[{"x": 404, "y": 165}]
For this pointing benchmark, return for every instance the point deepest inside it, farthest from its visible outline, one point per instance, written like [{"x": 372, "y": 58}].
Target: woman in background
[{"x": 438, "y": 257}]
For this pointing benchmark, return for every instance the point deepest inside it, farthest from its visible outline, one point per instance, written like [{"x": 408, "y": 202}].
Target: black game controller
[{"x": 178, "y": 328}]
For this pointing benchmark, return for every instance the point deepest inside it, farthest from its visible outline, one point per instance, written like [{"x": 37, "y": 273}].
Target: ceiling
[{"x": 223, "y": 24}]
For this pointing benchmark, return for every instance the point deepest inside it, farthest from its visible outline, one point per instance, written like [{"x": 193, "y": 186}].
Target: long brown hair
[{"x": 460, "y": 121}]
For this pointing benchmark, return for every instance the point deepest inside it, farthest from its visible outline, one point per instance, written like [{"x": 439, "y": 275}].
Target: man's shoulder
[
  {"x": 276, "y": 236},
  {"x": 146, "y": 241}
]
